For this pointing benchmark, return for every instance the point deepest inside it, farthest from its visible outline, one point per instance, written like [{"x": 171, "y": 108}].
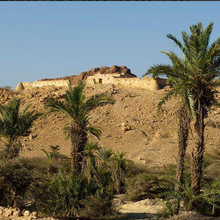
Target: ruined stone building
[{"x": 121, "y": 79}]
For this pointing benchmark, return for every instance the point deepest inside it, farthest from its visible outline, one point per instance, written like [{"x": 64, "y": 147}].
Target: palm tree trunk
[
  {"x": 78, "y": 140},
  {"x": 183, "y": 134},
  {"x": 12, "y": 149},
  {"x": 98, "y": 178},
  {"x": 119, "y": 181},
  {"x": 118, "y": 189},
  {"x": 198, "y": 151}
]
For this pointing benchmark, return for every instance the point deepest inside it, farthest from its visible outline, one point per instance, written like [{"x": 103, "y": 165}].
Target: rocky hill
[
  {"x": 130, "y": 125},
  {"x": 103, "y": 70}
]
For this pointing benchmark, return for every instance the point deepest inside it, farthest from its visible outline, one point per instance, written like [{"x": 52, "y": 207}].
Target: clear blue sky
[{"x": 53, "y": 39}]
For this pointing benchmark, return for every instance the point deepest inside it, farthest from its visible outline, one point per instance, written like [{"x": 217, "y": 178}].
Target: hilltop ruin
[{"x": 115, "y": 75}]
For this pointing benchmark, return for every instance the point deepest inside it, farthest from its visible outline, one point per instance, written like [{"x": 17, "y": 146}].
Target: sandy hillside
[{"x": 150, "y": 139}]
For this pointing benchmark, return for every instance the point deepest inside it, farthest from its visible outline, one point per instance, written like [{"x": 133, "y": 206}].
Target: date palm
[
  {"x": 198, "y": 71},
  {"x": 185, "y": 108},
  {"x": 50, "y": 155},
  {"x": 91, "y": 157},
  {"x": 121, "y": 164},
  {"x": 75, "y": 105},
  {"x": 105, "y": 158},
  {"x": 15, "y": 124},
  {"x": 203, "y": 71}
]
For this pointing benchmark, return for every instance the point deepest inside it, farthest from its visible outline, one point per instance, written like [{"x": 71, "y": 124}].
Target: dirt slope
[{"x": 149, "y": 139}]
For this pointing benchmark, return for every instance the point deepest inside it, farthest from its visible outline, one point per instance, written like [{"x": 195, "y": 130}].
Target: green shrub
[
  {"x": 145, "y": 185},
  {"x": 169, "y": 210},
  {"x": 61, "y": 195},
  {"x": 208, "y": 202},
  {"x": 72, "y": 195},
  {"x": 15, "y": 180},
  {"x": 98, "y": 205}
]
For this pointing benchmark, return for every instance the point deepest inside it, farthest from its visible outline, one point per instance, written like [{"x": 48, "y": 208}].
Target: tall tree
[
  {"x": 15, "y": 124},
  {"x": 199, "y": 72},
  {"x": 185, "y": 110},
  {"x": 75, "y": 105}
]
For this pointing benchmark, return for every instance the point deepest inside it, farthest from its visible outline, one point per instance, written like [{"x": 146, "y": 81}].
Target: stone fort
[{"x": 120, "y": 79}]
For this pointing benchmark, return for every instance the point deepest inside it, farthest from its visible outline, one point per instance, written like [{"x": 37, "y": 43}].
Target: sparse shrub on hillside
[{"x": 7, "y": 88}]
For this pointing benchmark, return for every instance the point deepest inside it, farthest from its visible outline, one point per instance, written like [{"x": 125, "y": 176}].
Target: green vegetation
[
  {"x": 75, "y": 105},
  {"x": 194, "y": 79},
  {"x": 14, "y": 125}
]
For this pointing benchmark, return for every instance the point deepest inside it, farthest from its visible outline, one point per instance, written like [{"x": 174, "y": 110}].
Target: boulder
[
  {"x": 26, "y": 213},
  {"x": 19, "y": 87}
]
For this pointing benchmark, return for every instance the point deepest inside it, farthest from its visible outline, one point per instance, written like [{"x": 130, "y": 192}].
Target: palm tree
[
  {"x": 185, "y": 111},
  {"x": 203, "y": 64},
  {"x": 50, "y": 155},
  {"x": 202, "y": 68},
  {"x": 90, "y": 154},
  {"x": 105, "y": 158},
  {"x": 14, "y": 125},
  {"x": 75, "y": 105},
  {"x": 121, "y": 164}
]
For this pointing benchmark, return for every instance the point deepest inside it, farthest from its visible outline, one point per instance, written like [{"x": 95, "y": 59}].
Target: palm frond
[
  {"x": 95, "y": 131},
  {"x": 97, "y": 100},
  {"x": 177, "y": 42},
  {"x": 168, "y": 96},
  {"x": 54, "y": 105},
  {"x": 161, "y": 70}
]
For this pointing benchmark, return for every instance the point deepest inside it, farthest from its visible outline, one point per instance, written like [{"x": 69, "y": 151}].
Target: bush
[
  {"x": 61, "y": 195},
  {"x": 151, "y": 186},
  {"x": 208, "y": 202},
  {"x": 15, "y": 180},
  {"x": 72, "y": 195},
  {"x": 98, "y": 205}
]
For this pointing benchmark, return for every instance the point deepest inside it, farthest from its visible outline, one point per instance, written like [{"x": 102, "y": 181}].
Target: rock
[
  {"x": 19, "y": 87},
  {"x": 7, "y": 213},
  {"x": 32, "y": 136},
  {"x": 16, "y": 213},
  {"x": 34, "y": 214},
  {"x": 125, "y": 127},
  {"x": 26, "y": 213},
  {"x": 149, "y": 202}
]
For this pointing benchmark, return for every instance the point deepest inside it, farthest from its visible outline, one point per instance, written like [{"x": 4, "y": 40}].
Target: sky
[{"x": 54, "y": 39}]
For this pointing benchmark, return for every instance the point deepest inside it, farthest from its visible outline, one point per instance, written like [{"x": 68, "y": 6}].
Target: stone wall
[
  {"x": 102, "y": 78},
  {"x": 117, "y": 79},
  {"x": 27, "y": 85},
  {"x": 58, "y": 83}
]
